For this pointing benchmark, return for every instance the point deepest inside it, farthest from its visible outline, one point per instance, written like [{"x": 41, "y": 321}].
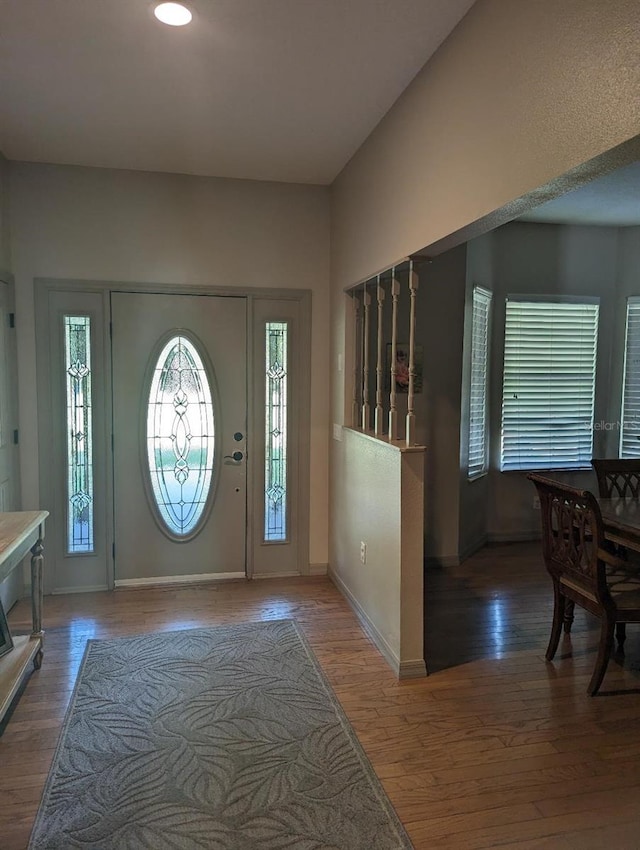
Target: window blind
[
  {"x": 630, "y": 426},
  {"x": 548, "y": 384},
  {"x": 481, "y": 305}
]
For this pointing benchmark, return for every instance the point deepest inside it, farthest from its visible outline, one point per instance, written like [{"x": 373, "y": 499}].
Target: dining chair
[
  {"x": 617, "y": 477},
  {"x": 583, "y": 571}
]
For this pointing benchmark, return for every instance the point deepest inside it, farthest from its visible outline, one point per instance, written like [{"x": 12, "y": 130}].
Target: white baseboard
[
  {"x": 282, "y": 574},
  {"x": 456, "y": 560},
  {"x": 403, "y": 669},
  {"x": 442, "y": 561},
  {"x": 190, "y": 579},
  {"x": 90, "y": 589},
  {"x": 513, "y": 537},
  {"x": 413, "y": 669},
  {"x": 196, "y": 578},
  {"x": 474, "y": 547},
  {"x": 314, "y": 570}
]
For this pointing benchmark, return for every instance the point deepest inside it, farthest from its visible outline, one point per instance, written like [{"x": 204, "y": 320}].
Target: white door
[{"x": 179, "y": 436}]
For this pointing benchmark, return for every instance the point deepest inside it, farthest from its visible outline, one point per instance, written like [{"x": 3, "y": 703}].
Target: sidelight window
[
  {"x": 275, "y": 473},
  {"x": 77, "y": 344}
]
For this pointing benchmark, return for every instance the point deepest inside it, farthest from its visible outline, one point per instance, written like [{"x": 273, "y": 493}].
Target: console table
[{"x": 21, "y": 532}]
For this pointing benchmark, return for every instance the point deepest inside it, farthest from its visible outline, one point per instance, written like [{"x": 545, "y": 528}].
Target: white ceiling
[{"x": 264, "y": 89}]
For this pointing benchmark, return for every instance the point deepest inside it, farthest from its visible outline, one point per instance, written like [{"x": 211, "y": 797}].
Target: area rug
[{"x": 226, "y": 738}]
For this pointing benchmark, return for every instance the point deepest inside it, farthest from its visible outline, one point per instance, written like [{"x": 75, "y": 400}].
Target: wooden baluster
[
  {"x": 357, "y": 350},
  {"x": 366, "y": 409},
  {"x": 393, "y": 411},
  {"x": 379, "y": 425},
  {"x": 411, "y": 418}
]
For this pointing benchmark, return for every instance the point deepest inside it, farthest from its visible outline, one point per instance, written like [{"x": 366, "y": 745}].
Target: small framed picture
[
  {"x": 6, "y": 641},
  {"x": 402, "y": 367}
]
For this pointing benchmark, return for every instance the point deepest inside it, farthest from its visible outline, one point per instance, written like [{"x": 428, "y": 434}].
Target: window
[
  {"x": 77, "y": 349},
  {"x": 481, "y": 305},
  {"x": 630, "y": 428},
  {"x": 549, "y": 383},
  {"x": 275, "y": 472}
]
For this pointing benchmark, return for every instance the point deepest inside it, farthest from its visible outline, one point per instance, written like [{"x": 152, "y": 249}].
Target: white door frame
[
  {"x": 11, "y": 589},
  {"x": 269, "y": 304}
]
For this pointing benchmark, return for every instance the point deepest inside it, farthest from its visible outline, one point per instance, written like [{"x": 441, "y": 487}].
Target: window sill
[{"x": 545, "y": 470}]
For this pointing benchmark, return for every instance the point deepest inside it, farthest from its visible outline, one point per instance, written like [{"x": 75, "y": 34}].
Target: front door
[{"x": 179, "y": 436}]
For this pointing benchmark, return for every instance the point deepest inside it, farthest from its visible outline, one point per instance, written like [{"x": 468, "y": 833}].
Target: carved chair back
[
  {"x": 584, "y": 570},
  {"x": 617, "y": 477},
  {"x": 572, "y": 537}
]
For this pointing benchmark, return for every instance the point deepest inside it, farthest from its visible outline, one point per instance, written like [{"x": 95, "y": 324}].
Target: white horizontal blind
[
  {"x": 549, "y": 384},
  {"x": 481, "y": 305},
  {"x": 630, "y": 428}
]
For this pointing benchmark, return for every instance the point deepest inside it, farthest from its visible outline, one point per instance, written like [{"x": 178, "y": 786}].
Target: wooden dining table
[{"x": 621, "y": 520}]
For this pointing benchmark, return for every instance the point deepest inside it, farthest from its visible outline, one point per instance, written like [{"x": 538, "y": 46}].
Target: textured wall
[{"x": 518, "y": 95}]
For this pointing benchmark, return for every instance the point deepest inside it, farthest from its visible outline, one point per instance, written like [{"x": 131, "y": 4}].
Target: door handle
[{"x": 237, "y": 456}]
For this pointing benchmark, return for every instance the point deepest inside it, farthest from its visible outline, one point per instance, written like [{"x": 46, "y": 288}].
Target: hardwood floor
[{"x": 496, "y": 748}]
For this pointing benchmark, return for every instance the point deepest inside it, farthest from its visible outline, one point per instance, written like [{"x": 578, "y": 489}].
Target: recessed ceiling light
[{"x": 174, "y": 14}]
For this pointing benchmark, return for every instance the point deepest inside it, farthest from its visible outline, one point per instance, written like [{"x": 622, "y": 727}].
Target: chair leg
[
  {"x": 559, "y": 607},
  {"x": 621, "y": 636},
  {"x": 604, "y": 651},
  {"x": 568, "y": 615}
]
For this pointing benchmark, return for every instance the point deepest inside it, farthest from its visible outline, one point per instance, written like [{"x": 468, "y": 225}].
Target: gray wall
[
  {"x": 474, "y": 494},
  {"x": 525, "y": 258},
  {"x": 628, "y": 284},
  {"x": 441, "y": 300},
  {"x": 5, "y": 250}
]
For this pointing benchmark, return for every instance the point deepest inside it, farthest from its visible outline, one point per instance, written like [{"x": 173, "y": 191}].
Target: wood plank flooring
[{"x": 496, "y": 748}]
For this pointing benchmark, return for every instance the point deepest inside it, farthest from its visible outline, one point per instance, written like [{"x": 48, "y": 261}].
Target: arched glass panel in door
[{"x": 180, "y": 437}]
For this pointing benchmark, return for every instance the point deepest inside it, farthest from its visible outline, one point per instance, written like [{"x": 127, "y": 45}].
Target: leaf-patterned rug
[{"x": 226, "y": 738}]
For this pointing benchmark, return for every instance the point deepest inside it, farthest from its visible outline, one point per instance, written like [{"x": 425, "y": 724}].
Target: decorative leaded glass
[
  {"x": 77, "y": 337},
  {"x": 275, "y": 472},
  {"x": 180, "y": 436}
]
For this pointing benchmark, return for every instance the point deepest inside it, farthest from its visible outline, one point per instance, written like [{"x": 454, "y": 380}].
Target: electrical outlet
[{"x": 363, "y": 552}]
